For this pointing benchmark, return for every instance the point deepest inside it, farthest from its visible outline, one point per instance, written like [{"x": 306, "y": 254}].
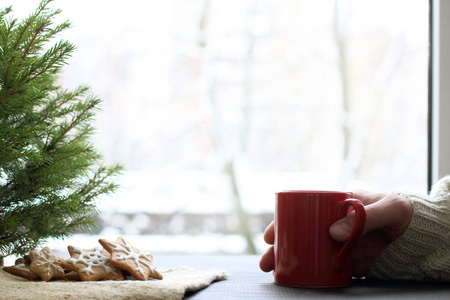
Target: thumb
[
  {"x": 341, "y": 229},
  {"x": 392, "y": 214},
  {"x": 376, "y": 217}
]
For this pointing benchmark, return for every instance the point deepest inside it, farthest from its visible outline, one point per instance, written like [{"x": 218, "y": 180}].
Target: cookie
[
  {"x": 19, "y": 261},
  {"x": 91, "y": 264},
  {"x": 22, "y": 270},
  {"x": 45, "y": 264},
  {"x": 71, "y": 276},
  {"x": 126, "y": 257},
  {"x": 23, "y": 260}
]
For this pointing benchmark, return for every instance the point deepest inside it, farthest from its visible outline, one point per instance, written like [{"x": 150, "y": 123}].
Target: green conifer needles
[{"x": 50, "y": 174}]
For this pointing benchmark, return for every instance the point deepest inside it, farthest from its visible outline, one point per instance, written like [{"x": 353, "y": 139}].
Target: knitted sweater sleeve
[{"x": 423, "y": 252}]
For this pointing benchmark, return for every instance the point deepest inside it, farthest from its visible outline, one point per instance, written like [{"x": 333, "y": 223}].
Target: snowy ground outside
[
  {"x": 207, "y": 192},
  {"x": 159, "y": 244}
]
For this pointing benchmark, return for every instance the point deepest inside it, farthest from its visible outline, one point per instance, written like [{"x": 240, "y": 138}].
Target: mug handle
[{"x": 358, "y": 226}]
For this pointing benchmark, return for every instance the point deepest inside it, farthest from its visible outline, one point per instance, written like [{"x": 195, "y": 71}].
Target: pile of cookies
[{"x": 117, "y": 260}]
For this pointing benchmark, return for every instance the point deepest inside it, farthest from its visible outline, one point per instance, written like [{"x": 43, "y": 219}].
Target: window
[
  {"x": 213, "y": 106},
  {"x": 440, "y": 121}
]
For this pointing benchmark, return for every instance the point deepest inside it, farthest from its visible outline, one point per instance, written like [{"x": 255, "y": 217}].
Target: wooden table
[{"x": 248, "y": 282}]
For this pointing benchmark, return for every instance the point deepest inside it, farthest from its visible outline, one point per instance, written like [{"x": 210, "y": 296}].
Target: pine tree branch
[
  {"x": 72, "y": 155},
  {"x": 61, "y": 99},
  {"x": 22, "y": 33},
  {"x": 71, "y": 126},
  {"x": 82, "y": 134},
  {"x": 58, "y": 171},
  {"x": 30, "y": 20},
  {"x": 5, "y": 37},
  {"x": 35, "y": 36},
  {"x": 48, "y": 184},
  {"x": 14, "y": 142},
  {"x": 21, "y": 138},
  {"x": 5, "y": 11},
  {"x": 38, "y": 31},
  {"x": 5, "y": 79},
  {"x": 99, "y": 178},
  {"x": 58, "y": 59},
  {"x": 41, "y": 37},
  {"x": 10, "y": 95}
]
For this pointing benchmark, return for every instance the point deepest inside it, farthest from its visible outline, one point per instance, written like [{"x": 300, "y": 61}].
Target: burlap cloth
[{"x": 177, "y": 281}]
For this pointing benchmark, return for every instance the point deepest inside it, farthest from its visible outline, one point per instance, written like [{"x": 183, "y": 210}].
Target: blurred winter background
[{"x": 214, "y": 106}]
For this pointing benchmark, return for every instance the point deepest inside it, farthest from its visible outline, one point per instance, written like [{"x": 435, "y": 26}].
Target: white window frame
[{"x": 439, "y": 91}]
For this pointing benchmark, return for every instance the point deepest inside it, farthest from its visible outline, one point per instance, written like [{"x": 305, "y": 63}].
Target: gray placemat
[{"x": 248, "y": 282}]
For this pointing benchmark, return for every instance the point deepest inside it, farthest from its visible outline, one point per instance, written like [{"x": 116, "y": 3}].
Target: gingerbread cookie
[
  {"x": 23, "y": 260},
  {"x": 71, "y": 276},
  {"x": 91, "y": 264},
  {"x": 22, "y": 270},
  {"x": 20, "y": 260},
  {"x": 127, "y": 257},
  {"x": 45, "y": 264}
]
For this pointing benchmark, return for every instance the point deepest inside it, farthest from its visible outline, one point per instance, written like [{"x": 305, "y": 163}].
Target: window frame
[{"x": 439, "y": 91}]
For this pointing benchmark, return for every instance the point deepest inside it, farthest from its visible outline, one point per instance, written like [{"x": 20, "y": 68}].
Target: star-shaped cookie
[
  {"x": 91, "y": 264},
  {"x": 127, "y": 257},
  {"x": 46, "y": 264},
  {"x": 22, "y": 270}
]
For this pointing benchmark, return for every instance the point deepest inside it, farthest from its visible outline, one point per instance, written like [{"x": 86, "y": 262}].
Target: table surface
[{"x": 248, "y": 282}]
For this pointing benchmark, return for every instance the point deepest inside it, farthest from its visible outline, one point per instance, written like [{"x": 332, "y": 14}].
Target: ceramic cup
[{"x": 305, "y": 253}]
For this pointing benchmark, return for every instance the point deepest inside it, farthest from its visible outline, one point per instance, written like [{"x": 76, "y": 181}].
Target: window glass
[{"x": 213, "y": 106}]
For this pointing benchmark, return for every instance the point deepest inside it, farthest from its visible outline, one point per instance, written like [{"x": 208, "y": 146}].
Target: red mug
[{"x": 305, "y": 253}]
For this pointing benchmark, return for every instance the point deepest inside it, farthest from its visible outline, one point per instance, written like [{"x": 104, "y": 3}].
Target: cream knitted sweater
[{"x": 423, "y": 251}]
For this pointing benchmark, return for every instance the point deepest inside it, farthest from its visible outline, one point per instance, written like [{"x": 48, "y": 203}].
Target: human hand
[{"x": 387, "y": 217}]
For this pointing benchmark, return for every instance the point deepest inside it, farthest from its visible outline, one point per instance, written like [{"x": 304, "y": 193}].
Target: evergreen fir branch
[
  {"x": 30, "y": 21},
  {"x": 20, "y": 138},
  {"x": 10, "y": 95},
  {"x": 36, "y": 38},
  {"x": 84, "y": 113},
  {"x": 49, "y": 174},
  {"x": 82, "y": 135},
  {"x": 4, "y": 12},
  {"x": 52, "y": 61},
  {"x": 7, "y": 27},
  {"x": 32, "y": 41},
  {"x": 98, "y": 180},
  {"x": 11, "y": 60},
  {"x": 57, "y": 106},
  {"x": 42, "y": 35}
]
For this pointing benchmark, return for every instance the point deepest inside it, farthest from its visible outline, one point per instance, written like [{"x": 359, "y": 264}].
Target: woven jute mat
[{"x": 177, "y": 281}]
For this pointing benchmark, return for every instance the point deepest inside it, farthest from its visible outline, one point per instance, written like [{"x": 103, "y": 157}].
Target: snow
[{"x": 206, "y": 192}]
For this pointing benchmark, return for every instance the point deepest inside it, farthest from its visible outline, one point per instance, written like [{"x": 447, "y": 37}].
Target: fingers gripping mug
[{"x": 305, "y": 253}]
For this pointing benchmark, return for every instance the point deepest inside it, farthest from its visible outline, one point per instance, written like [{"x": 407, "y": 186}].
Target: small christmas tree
[{"x": 50, "y": 174}]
